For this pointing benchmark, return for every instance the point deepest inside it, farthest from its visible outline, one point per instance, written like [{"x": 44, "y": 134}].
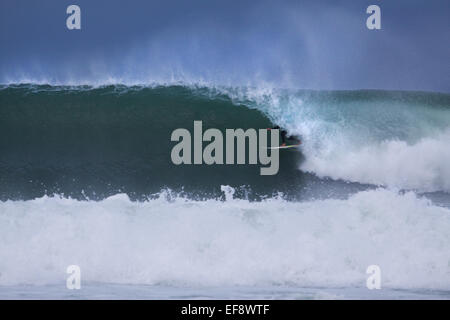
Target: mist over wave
[
  {"x": 295, "y": 44},
  {"x": 172, "y": 240}
]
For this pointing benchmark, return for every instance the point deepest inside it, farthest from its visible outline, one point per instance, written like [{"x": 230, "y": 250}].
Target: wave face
[
  {"x": 95, "y": 142},
  {"x": 174, "y": 241},
  {"x": 102, "y": 141}
]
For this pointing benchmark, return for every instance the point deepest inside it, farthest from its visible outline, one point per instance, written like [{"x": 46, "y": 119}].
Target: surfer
[{"x": 284, "y": 136}]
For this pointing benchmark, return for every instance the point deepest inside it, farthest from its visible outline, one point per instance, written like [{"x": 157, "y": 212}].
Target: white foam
[
  {"x": 326, "y": 243},
  {"x": 424, "y": 165}
]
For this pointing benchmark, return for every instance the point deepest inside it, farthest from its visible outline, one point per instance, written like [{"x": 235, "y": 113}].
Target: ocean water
[{"x": 86, "y": 179}]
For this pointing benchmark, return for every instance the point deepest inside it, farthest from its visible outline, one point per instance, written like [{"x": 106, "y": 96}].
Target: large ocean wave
[
  {"x": 104, "y": 140},
  {"x": 174, "y": 241},
  {"x": 75, "y": 158}
]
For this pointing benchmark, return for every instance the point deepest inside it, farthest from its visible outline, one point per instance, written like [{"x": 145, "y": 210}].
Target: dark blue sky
[{"x": 303, "y": 44}]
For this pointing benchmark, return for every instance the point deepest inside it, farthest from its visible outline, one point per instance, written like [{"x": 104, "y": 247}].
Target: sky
[{"x": 321, "y": 44}]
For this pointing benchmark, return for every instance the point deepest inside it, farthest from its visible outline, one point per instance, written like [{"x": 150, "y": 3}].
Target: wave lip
[{"x": 180, "y": 242}]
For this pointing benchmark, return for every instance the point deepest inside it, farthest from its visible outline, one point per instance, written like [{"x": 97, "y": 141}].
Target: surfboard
[{"x": 286, "y": 147}]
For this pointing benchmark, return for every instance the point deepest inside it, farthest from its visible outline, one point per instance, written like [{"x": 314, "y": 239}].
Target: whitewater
[{"x": 275, "y": 244}]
